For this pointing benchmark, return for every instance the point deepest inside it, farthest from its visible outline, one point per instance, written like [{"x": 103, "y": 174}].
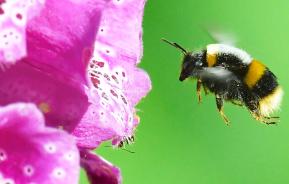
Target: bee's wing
[
  {"x": 217, "y": 74},
  {"x": 218, "y": 35},
  {"x": 223, "y": 81}
]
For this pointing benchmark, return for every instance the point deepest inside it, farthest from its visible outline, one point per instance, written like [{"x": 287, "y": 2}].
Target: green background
[{"x": 180, "y": 141}]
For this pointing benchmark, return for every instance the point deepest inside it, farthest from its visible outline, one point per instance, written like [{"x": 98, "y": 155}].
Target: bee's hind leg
[
  {"x": 265, "y": 119},
  {"x": 199, "y": 87},
  {"x": 220, "y": 104},
  {"x": 271, "y": 117},
  {"x": 271, "y": 120},
  {"x": 253, "y": 106},
  {"x": 205, "y": 89}
]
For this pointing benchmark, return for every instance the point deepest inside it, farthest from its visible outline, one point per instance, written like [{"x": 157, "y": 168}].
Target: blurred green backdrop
[{"x": 179, "y": 141}]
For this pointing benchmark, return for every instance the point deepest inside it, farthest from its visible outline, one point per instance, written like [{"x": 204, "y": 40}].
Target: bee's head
[{"x": 191, "y": 63}]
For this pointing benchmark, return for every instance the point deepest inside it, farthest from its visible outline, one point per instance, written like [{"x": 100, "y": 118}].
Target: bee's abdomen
[
  {"x": 263, "y": 84},
  {"x": 259, "y": 79}
]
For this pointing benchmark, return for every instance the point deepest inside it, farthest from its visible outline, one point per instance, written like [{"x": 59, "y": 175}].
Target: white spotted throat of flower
[{"x": 232, "y": 75}]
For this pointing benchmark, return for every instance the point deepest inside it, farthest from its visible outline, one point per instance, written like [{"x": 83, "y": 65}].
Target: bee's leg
[
  {"x": 271, "y": 120},
  {"x": 220, "y": 104},
  {"x": 199, "y": 86},
  {"x": 206, "y": 90},
  {"x": 264, "y": 119},
  {"x": 253, "y": 105},
  {"x": 236, "y": 103},
  {"x": 271, "y": 117}
]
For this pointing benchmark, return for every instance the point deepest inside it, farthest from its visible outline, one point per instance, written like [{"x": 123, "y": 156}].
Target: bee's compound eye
[{"x": 185, "y": 65}]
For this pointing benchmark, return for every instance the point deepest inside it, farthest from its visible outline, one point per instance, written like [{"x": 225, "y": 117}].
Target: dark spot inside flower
[
  {"x": 123, "y": 99},
  {"x": 106, "y": 76},
  {"x": 116, "y": 73},
  {"x": 101, "y": 30},
  {"x": 59, "y": 173},
  {"x": 6, "y": 43},
  {"x": 100, "y": 64},
  {"x": 5, "y": 36},
  {"x": 123, "y": 74},
  {"x": 19, "y": 16},
  {"x": 101, "y": 113},
  {"x": 114, "y": 78},
  {"x": 28, "y": 170},
  {"x": 95, "y": 82},
  {"x": 98, "y": 73},
  {"x": 114, "y": 93},
  {"x": 107, "y": 51},
  {"x": 104, "y": 95}
]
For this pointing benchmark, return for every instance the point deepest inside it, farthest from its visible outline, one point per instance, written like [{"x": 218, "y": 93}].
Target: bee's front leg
[{"x": 220, "y": 104}]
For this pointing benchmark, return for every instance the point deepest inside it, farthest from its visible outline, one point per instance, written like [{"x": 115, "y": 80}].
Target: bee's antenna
[
  {"x": 175, "y": 45},
  {"x": 127, "y": 150},
  {"x": 121, "y": 148}
]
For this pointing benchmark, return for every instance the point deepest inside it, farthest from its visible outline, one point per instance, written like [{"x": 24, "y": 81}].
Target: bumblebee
[
  {"x": 233, "y": 75},
  {"x": 126, "y": 140}
]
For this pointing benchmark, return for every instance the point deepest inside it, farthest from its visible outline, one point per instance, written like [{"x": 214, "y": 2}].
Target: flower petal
[
  {"x": 60, "y": 38},
  {"x": 138, "y": 83},
  {"x": 62, "y": 104},
  {"x": 14, "y": 16},
  {"x": 99, "y": 171},
  {"x": 112, "y": 95},
  {"x": 32, "y": 153},
  {"x": 116, "y": 85},
  {"x": 120, "y": 30},
  {"x": 53, "y": 75}
]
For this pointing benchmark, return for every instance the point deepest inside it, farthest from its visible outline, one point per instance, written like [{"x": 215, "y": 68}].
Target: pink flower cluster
[{"x": 68, "y": 81}]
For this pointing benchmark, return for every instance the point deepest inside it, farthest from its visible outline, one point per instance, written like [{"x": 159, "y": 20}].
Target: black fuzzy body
[{"x": 232, "y": 88}]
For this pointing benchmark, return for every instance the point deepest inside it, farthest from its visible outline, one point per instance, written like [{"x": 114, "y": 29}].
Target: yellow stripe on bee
[
  {"x": 211, "y": 59},
  {"x": 255, "y": 73},
  {"x": 271, "y": 102}
]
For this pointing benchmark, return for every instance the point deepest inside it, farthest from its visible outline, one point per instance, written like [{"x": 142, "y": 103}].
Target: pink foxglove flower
[
  {"x": 13, "y": 18},
  {"x": 33, "y": 153},
  {"x": 99, "y": 170},
  {"x": 80, "y": 71}
]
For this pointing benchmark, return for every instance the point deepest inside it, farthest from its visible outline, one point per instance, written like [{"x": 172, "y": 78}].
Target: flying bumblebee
[{"x": 233, "y": 75}]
